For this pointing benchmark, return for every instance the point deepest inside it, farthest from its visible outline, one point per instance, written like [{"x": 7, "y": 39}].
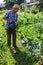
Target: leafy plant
[{"x": 34, "y": 9}]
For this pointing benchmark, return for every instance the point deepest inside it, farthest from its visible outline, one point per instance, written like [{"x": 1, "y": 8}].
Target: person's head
[{"x": 15, "y": 8}]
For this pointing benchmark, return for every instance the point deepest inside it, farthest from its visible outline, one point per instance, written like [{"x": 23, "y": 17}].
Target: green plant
[
  {"x": 34, "y": 9},
  {"x": 30, "y": 37},
  {"x": 23, "y": 7}
]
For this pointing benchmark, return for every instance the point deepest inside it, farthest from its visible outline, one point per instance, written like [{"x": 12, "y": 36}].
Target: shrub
[
  {"x": 31, "y": 27},
  {"x": 34, "y": 9},
  {"x": 27, "y": 11},
  {"x": 23, "y": 7}
]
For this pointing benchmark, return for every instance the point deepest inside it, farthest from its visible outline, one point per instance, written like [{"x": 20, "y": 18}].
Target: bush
[
  {"x": 31, "y": 27},
  {"x": 27, "y": 11},
  {"x": 23, "y": 7},
  {"x": 34, "y": 9}
]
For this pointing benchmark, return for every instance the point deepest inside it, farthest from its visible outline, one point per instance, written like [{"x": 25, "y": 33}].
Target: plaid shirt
[{"x": 11, "y": 16}]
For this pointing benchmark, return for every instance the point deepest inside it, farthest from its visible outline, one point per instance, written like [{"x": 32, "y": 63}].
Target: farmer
[{"x": 11, "y": 18}]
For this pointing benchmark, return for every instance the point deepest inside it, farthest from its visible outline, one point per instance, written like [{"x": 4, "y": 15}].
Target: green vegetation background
[{"x": 31, "y": 25}]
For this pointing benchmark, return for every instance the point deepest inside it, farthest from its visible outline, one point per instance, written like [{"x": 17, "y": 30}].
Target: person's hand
[{"x": 10, "y": 21}]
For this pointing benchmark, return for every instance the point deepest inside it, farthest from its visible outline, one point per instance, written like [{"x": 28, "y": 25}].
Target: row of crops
[{"x": 30, "y": 35}]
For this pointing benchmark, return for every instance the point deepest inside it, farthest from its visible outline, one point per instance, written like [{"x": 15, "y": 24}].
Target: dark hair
[{"x": 16, "y": 6}]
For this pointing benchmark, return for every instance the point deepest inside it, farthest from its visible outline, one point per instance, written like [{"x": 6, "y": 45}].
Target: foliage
[
  {"x": 23, "y": 7},
  {"x": 10, "y": 3},
  {"x": 31, "y": 27},
  {"x": 30, "y": 35},
  {"x": 27, "y": 11},
  {"x": 5, "y": 55},
  {"x": 41, "y": 3},
  {"x": 19, "y": 1},
  {"x": 34, "y": 9}
]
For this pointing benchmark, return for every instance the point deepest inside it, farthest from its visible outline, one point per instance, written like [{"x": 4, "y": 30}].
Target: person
[{"x": 11, "y": 17}]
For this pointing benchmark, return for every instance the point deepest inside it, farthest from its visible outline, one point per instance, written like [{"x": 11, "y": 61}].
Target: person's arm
[{"x": 6, "y": 17}]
